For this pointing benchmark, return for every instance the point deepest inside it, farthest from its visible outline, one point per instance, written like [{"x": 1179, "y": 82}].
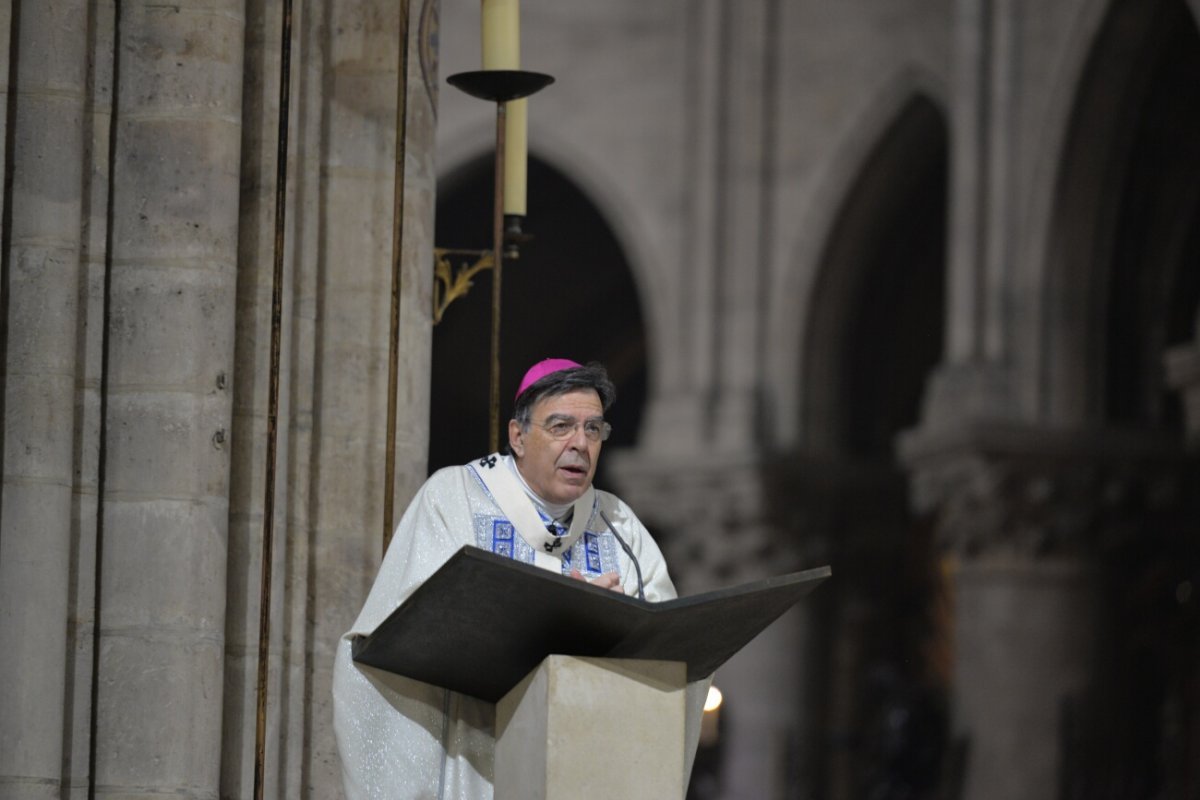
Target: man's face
[{"x": 559, "y": 470}]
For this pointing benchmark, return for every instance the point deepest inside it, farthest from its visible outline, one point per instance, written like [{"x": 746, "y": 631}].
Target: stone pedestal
[{"x": 580, "y": 728}]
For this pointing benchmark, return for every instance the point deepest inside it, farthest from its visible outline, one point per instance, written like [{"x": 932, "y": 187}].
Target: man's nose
[{"x": 578, "y": 438}]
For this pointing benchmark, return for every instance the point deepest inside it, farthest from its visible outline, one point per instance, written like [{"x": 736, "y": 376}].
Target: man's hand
[{"x": 609, "y": 580}]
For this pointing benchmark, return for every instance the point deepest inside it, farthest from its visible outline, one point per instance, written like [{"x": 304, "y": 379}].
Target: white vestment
[{"x": 401, "y": 739}]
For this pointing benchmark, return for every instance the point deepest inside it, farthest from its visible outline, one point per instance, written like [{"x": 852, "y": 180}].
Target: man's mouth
[{"x": 577, "y": 470}]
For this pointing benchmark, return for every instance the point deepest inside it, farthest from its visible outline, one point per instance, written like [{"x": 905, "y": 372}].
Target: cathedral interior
[{"x": 909, "y": 288}]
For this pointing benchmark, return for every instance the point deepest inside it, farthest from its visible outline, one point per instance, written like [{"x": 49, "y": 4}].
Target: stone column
[
  {"x": 89, "y": 404},
  {"x": 714, "y": 336},
  {"x": 42, "y": 276},
  {"x": 352, "y": 306},
  {"x": 250, "y": 388},
  {"x": 719, "y": 525},
  {"x": 298, "y": 727},
  {"x": 742, "y": 229},
  {"x": 1028, "y": 515},
  {"x": 680, "y": 397},
  {"x": 165, "y": 486},
  {"x": 1025, "y": 643},
  {"x": 6, "y": 23}
]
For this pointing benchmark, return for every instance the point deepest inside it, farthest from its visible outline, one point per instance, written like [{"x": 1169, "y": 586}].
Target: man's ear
[{"x": 515, "y": 437}]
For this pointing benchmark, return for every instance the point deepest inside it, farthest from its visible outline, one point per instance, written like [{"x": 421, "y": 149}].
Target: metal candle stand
[{"x": 498, "y": 86}]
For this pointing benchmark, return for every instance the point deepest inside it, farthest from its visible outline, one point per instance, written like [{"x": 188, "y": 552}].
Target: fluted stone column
[
  {"x": 81, "y": 629},
  {"x": 248, "y": 443},
  {"x": 43, "y": 276},
  {"x": 1029, "y": 515},
  {"x": 170, "y": 361},
  {"x": 329, "y": 483},
  {"x": 352, "y": 307},
  {"x": 6, "y": 23}
]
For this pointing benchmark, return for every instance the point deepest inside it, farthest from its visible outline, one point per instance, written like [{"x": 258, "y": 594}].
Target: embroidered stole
[{"x": 516, "y": 506}]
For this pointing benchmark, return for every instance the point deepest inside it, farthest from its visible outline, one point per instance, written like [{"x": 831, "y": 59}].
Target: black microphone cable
[{"x": 637, "y": 567}]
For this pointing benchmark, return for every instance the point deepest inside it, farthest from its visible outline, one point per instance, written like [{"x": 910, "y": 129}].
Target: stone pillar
[
  {"x": 1025, "y": 644},
  {"x": 683, "y": 376},
  {"x": 741, "y": 231},
  {"x": 352, "y": 307},
  {"x": 338, "y": 279},
  {"x": 298, "y": 727},
  {"x": 164, "y": 515},
  {"x": 719, "y": 525},
  {"x": 42, "y": 274},
  {"x": 89, "y": 404},
  {"x": 250, "y": 387},
  {"x": 6, "y": 23},
  {"x": 1028, "y": 515},
  {"x": 709, "y": 367}
]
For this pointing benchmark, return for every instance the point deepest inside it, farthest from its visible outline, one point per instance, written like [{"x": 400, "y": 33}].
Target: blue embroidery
[
  {"x": 502, "y": 537},
  {"x": 594, "y": 553},
  {"x": 591, "y": 546},
  {"x": 497, "y": 535}
]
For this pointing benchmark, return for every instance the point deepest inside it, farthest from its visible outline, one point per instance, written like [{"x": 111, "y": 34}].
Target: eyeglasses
[{"x": 596, "y": 430}]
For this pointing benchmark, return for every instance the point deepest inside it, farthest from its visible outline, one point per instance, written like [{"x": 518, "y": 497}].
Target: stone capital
[
  {"x": 726, "y": 518},
  {"x": 1025, "y": 491}
]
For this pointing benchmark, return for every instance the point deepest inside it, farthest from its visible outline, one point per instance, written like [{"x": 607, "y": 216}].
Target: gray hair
[{"x": 592, "y": 376}]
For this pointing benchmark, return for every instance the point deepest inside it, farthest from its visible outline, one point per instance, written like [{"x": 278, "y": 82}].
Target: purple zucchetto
[{"x": 542, "y": 369}]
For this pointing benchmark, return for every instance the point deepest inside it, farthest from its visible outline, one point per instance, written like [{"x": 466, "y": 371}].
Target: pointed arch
[
  {"x": 874, "y": 321},
  {"x": 795, "y": 288},
  {"x": 1124, "y": 205},
  {"x": 641, "y": 245},
  {"x": 571, "y": 294}
]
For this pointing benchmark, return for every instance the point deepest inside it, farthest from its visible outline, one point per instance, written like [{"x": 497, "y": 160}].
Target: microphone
[{"x": 636, "y": 566}]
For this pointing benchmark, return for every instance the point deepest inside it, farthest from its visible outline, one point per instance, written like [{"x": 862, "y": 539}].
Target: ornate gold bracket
[{"x": 449, "y": 285}]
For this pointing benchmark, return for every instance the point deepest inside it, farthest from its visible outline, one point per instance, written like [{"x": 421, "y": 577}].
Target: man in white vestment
[{"x": 400, "y": 738}]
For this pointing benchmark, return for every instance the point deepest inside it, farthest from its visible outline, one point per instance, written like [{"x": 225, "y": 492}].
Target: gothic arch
[
  {"x": 872, "y": 333},
  {"x": 613, "y": 203},
  {"x": 1124, "y": 205},
  {"x": 874, "y": 321},
  {"x": 571, "y": 293},
  {"x": 796, "y": 287}
]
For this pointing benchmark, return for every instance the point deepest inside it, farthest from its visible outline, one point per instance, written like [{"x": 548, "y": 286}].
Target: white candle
[
  {"x": 516, "y": 154},
  {"x": 501, "y": 34}
]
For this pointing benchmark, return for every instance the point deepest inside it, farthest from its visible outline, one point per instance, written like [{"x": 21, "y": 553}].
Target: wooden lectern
[{"x": 589, "y": 684}]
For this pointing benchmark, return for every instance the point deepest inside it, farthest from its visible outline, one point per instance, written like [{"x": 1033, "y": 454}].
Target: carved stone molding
[
  {"x": 723, "y": 519},
  {"x": 709, "y": 515},
  {"x": 1022, "y": 491}
]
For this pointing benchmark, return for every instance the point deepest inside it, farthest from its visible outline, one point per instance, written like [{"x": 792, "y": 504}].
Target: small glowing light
[{"x": 713, "y": 701}]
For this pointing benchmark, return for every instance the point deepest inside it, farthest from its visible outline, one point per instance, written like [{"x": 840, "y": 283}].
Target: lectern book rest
[{"x": 482, "y": 622}]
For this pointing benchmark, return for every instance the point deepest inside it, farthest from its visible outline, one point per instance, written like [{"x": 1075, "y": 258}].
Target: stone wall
[{"x": 138, "y": 258}]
